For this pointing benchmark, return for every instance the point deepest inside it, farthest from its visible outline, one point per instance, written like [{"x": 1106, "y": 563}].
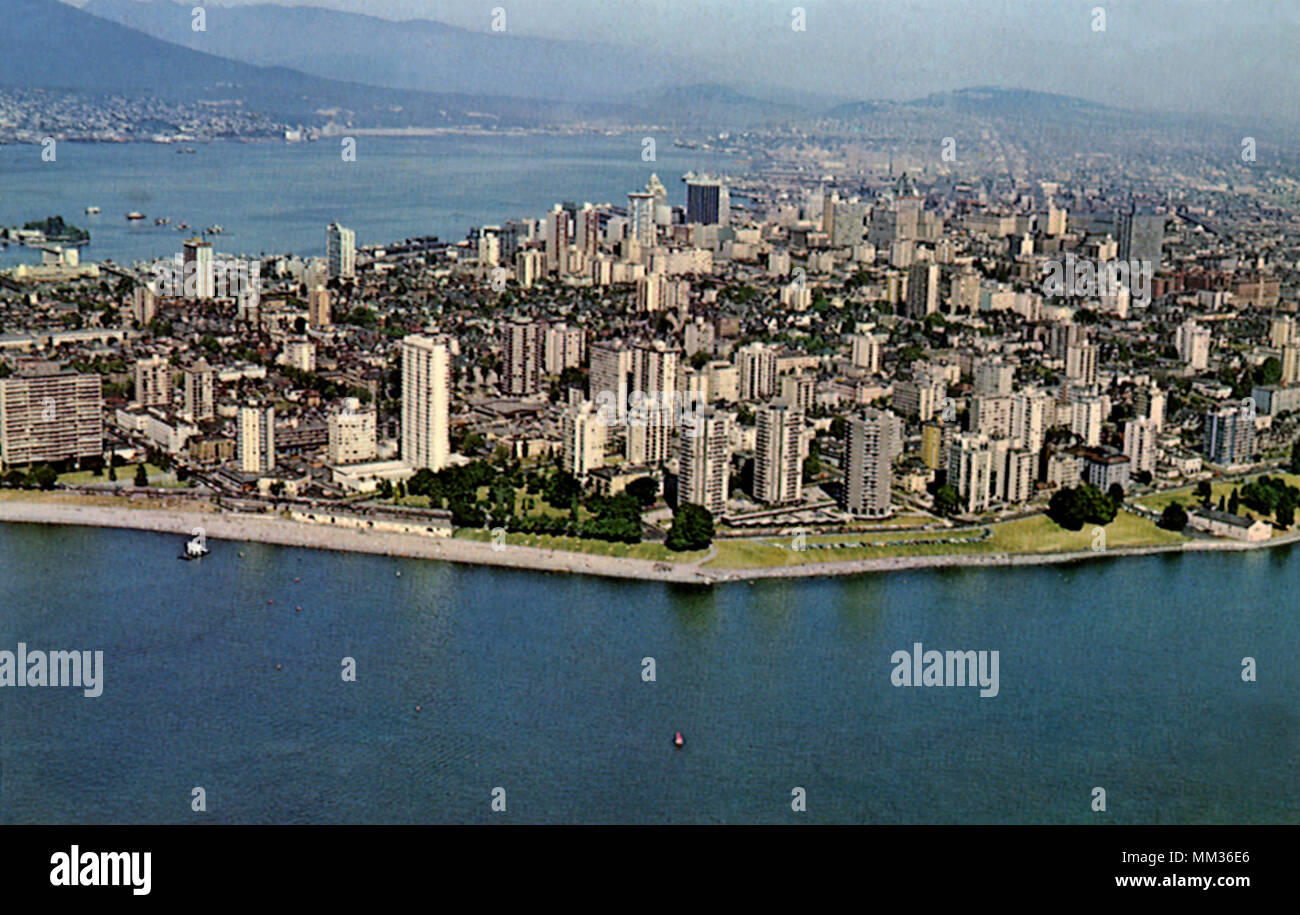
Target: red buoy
[{"x": 677, "y": 741}]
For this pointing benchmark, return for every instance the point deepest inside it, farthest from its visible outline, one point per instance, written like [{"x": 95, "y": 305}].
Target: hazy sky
[{"x": 1204, "y": 56}]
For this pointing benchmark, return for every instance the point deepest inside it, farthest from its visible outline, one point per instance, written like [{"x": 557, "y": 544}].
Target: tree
[
  {"x": 692, "y": 528},
  {"x": 946, "y": 500},
  {"x": 1063, "y": 508},
  {"x": 112, "y": 469},
  {"x": 561, "y": 489},
  {"x": 1116, "y": 493},
  {"x": 42, "y": 476},
  {"x": 1234, "y": 502},
  {"x": 1203, "y": 492},
  {"x": 644, "y": 489},
  {"x": 1095, "y": 506},
  {"x": 1285, "y": 512},
  {"x": 141, "y": 475},
  {"x": 1295, "y": 457},
  {"x": 1173, "y": 518},
  {"x": 385, "y": 489}
]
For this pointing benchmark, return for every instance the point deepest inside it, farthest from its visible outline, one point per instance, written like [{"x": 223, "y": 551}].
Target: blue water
[
  {"x": 278, "y": 197},
  {"x": 1123, "y": 674}
]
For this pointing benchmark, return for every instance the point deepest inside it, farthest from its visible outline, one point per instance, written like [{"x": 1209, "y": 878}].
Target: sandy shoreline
[{"x": 265, "y": 529}]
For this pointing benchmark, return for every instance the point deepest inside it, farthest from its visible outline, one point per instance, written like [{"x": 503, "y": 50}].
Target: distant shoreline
[{"x": 224, "y": 526}]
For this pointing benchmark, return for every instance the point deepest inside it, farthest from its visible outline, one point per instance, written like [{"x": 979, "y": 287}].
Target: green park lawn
[
  {"x": 1036, "y": 534},
  {"x": 655, "y": 552}
]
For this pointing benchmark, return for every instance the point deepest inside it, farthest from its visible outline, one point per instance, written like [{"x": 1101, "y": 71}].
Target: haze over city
[{"x": 1211, "y": 57}]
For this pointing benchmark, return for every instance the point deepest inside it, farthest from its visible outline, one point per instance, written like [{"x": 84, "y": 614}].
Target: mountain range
[
  {"x": 415, "y": 54},
  {"x": 303, "y": 65}
]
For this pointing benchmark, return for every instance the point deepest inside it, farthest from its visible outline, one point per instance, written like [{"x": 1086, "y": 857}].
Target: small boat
[
  {"x": 194, "y": 549},
  {"x": 214, "y": 230},
  {"x": 134, "y": 216},
  {"x": 161, "y": 221},
  {"x": 183, "y": 226},
  {"x": 92, "y": 211},
  {"x": 678, "y": 742},
  {"x": 187, "y": 151}
]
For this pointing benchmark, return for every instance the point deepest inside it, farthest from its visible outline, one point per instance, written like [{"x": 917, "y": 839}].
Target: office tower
[
  {"x": 582, "y": 439},
  {"x": 1281, "y": 332},
  {"x": 153, "y": 382},
  {"x": 200, "y": 402},
  {"x": 1230, "y": 435},
  {"x": 341, "y": 251},
  {"x": 1063, "y": 336},
  {"x": 706, "y": 201},
  {"x": 50, "y": 415},
  {"x": 489, "y": 246},
  {"x": 1141, "y": 236},
  {"x": 828, "y": 212},
  {"x": 530, "y": 266},
  {"x": 256, "y": 439},
  {"x": 704, "y": 465},
  {"x": 426, "y": 402},
  {"x": 866, "y": 353},
  {"x": 991, "y": 415},
  {"x": 587, "y": 237},
  {"x": 922, "y": 290},
  {"x": 698, "y": 336},
  {"x": 971, "y": 470},
  {"x": 1291, "y": 364},
  {"x": 1140, "y": 444},
  {"x": 654, "y": 369},
  {"x": 299, "y": 353},
  {"x": 1017, "y": 480},
  {"x": 610, "y": 379},
  {"x": 1057, "y": 219},
  {"x": 797, "y": 390},
  {"x": 641, "y": 218},
  {"x": 351, "y": 430},
  {"x": 508, "y": 240},
  {"x": 724, "y": 381},
  {"x": 524, "y": 342},
  {"x": 200, "y": 280},
  {"x": 919, "y": 398},
  {"x": 318, "y": 307},
  {"x": 757, "y": 365},
  {"x": 1081, "y": 363},
  {"x": 1032, "y": 412},
  {"x": 875, "y": 438},
  {"x": 1150, "y": 404},
  {"x": 648, "y": 292},
  {"x": 559, "y": 235},
  {"x": 778, "y": 466},
  {"x": 1086, "y": 418},
  {"x": 993, "y": 378},
  {"x": 564, "y": 347},
  {"x": 649, "y": 432},
  {"x": 1193, "y": 342},
  {"x": 144, "y": 304}
]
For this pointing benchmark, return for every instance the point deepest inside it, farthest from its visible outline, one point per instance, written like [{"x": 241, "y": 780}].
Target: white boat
[
  {"x": 92, "y": 211},
  {"x": 194, "y": 549}
]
